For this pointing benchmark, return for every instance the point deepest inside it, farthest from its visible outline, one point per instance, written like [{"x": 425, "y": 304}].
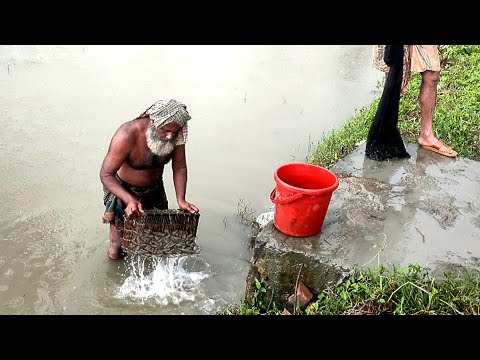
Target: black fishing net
[{"x": 384, "y": 140}]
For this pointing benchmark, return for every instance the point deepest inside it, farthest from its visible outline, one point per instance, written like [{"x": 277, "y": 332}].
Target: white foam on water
[{"x": 164, "y": 280}]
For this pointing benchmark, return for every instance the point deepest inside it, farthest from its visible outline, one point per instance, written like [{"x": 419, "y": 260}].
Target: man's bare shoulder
[
  {"x": 127, "y": 136},
  {"x": 129, "y": 130}
]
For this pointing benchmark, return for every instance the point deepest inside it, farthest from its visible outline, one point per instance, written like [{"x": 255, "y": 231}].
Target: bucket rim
[{"x": 328, "y": 189}]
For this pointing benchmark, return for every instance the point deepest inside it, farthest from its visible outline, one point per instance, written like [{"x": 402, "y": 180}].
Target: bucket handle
[{"x": 285, "y": 200}]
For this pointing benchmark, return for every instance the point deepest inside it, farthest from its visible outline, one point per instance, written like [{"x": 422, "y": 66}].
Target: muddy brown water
[{"x": 253, "y": 109}]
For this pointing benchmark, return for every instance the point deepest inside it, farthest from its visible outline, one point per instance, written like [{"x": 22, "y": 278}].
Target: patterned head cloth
[{"x": 165, "y": 111}]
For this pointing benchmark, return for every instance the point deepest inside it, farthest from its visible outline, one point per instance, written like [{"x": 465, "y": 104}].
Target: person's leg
[
  {"x": 115, "y": 251},
  {"x": 428, "y": 101}
]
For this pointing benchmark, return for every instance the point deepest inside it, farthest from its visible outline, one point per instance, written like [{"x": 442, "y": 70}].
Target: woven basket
[{"x": 162, "y": 233}]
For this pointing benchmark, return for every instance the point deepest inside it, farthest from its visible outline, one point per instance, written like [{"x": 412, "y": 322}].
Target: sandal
[{"x": 440, "y": 148}]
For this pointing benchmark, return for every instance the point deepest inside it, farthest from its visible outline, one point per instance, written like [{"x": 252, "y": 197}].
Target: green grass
[
  {"x": 409, "y": 290},
  {"x": 403, "y": 291}
]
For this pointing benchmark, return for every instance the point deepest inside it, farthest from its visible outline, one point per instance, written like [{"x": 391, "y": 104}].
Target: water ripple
[
  {"x": 9, "y": 272},
  {"x": 55, "y": 275},
  {"x": 18, "y": 301}
]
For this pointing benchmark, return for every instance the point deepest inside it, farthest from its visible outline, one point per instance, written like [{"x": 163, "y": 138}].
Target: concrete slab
[{"x": 423, "y": 210}]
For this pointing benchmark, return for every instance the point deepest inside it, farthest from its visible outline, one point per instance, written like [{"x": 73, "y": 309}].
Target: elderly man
[{"x": 132, "y": 171}]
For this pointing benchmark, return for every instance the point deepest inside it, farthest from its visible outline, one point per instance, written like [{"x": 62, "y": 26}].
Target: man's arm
[
  {"x": 118, "y": 151},
  {"x": 179, "y": 168}
]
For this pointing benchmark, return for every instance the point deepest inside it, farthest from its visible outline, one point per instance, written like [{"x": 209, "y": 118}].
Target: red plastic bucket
[{"x": 301, "y": 197}]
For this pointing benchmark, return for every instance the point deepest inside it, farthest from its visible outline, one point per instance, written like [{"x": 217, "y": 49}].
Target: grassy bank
[
  {"x": 411, "y": 289},
  {"x": 456, "y": 120},
  {"x": 403, "y": 291}
]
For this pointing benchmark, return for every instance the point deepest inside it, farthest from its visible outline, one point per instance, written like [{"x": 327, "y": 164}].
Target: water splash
[{"x": 164, "y": 280}]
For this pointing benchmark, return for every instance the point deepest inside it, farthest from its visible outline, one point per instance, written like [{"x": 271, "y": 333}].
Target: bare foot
[
  {"x": 427, "y": 141},
  {"x": 115, "y": 252}
]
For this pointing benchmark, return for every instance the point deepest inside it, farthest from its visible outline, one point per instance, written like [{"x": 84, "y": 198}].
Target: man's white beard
[{"x": 156, "y": 144}]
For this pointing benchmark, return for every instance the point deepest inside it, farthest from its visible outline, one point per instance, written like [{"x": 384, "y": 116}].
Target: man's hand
[
  {"x": 134, "y": 209},
  {"x": 184, "y": 205}
]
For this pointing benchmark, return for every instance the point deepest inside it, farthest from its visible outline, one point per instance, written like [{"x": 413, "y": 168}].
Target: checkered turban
[{"x": 165, "y": 111}]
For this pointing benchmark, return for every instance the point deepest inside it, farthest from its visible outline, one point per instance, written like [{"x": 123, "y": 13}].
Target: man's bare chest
[{"x": 147, "y": 161}]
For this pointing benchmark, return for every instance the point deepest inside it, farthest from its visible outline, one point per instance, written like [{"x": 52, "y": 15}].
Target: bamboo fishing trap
[{"x": 163, "y": 233}]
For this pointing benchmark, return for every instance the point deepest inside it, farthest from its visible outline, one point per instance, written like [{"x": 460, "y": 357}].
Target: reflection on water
[{"x": 253, "y": 109}]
